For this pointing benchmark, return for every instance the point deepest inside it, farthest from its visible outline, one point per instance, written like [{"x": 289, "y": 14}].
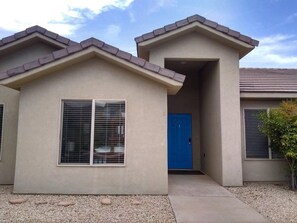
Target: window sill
[
  {"x": 263, "y": 159},
  {"x": 94, "y": 165}
]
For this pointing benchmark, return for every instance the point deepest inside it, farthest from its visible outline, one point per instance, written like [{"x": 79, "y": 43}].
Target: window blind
[
  {"x": 76, "y": 130},
  {"x": 108, "y": 120},
  {"x": 109, "y": 132},
  {"x": 256, "y": 142}
]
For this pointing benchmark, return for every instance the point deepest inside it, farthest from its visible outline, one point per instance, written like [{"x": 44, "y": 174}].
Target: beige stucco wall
[
  {"x": 211, "y": 152},
  {"x": 145, "y": 171},
  {"x": 24, "y": 54},
  {"x": 260, "y": 169},
  {"x": 187, "y": 100},
  {"x": 10, "y": 99},
  {"x": 198, "y": 46}
]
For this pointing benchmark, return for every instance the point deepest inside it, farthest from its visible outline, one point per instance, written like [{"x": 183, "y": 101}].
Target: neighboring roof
[
  {"x": 268, "y": 80},
  {"x": 36, "y": 29},
  {"x": 92, "y": 42},
  {"x": 197, "y": 18}
]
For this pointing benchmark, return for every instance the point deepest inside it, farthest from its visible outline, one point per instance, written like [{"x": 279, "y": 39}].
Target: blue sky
[{"x": 117, "y": 22}]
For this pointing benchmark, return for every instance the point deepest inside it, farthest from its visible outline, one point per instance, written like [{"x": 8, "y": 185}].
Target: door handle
[{"x": 190, "y": 141}]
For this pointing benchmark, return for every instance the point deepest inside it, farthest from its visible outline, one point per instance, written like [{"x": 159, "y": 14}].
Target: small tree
[{"x": 280, "y": 125}]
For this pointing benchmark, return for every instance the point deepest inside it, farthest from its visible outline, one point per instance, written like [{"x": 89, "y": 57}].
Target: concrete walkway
[{"x": 198, "y": 199}]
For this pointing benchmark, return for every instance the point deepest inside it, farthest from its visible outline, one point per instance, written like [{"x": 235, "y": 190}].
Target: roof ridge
[
  {"x": 85, "y": 44},
  {"x": 36, "y": 29},
  {"x": 192, "y": 19}
]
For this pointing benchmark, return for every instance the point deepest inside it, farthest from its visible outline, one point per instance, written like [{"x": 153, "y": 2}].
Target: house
[{"x": 88, "y": 118}]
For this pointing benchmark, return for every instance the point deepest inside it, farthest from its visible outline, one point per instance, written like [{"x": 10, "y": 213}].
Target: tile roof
[
  {"x": 202, "y": 20},
  {"x": 92, "y": 42},
  {"x": 36, "y": 29},
  {"x": 268, "y": 80}
]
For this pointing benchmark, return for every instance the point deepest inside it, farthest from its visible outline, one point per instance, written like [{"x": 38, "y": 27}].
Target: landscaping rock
[
  {"x": 136, "y": 202},
  {"x": 106, "y": 201},
  {"x": 66, "y": 203},
  {"x": 17, "y": 200},
  {"x": 40, "y": 202}
]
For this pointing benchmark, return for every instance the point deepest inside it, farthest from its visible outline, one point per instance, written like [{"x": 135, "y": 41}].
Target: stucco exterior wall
[
  {"x": 145, "y": 170},
  {"x": 10, "y": 99},
  {"x": 261, "y": 169},
  {"x": 211, "y": 144},
  {"x": 200, "y": 47},
  {"x": 24, "y": 54},
  {"x": 187, "y": 100}
]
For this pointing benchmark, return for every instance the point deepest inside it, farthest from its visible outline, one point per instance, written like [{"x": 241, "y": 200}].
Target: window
[
  {"x": 1, "y": 126},
  {"x": 256, "y": 143},
  {"x": 93, "y": 132}
]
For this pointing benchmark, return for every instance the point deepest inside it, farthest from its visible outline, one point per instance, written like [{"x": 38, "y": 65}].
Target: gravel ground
[
  {"x": 275, "y": 201},
  {"x": 86, "y": 208}
]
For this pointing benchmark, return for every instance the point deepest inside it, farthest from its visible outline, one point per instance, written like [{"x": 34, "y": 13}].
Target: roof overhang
[
  {"x": 242, "y": 47},
  {"x": 28, "y": 40},
  {"x": 17, "y": 81}
]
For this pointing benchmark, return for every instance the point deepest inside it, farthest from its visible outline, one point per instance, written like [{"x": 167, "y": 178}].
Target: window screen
[
  {"x": 256, "y": 142},
  {"x": 76, "y": 131},
  {"x": 1, "y": 125}
]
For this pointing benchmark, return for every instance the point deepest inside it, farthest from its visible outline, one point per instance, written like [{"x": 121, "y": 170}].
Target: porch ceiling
[{"x": 185, "y": 66}]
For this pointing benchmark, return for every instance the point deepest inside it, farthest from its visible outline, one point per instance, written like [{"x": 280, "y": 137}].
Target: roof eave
[
  {"x": 243, "y": 47},
  {"x": 19, "y": 80}
]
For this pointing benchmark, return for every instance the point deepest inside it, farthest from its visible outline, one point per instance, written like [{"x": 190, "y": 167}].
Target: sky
[{"x": 118, "y": 22}]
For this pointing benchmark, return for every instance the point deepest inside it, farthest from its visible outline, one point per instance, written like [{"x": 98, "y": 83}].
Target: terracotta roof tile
[
  {"x": 170, "y": 27},
  {"x": 210, "y": 23},
  {"x": 74, "y": 48},
  {"x": 234, "y": 33},
  {"x": 51, "y": 35},
  {"x": 245, "y": 38},
  {"x": 31, "y": 65},
  {"x": 3, "y": 75},
  {"x": 196, "y": 18},
  {"x": 149, "y": 35},
  {"x": 37, "y": 29},
  {"x": 20, "y": 34},
  {"x": 167, "y": 73},
  {"x": 223, "y": 29},
  {"x": 60, "y": 53},
  {"x": 138, "y": 61},
  {"x": 179, "y": 77},
  {"x": 202, "y": 20},
  {"x": 62, "y": 39},
  {"x": 124, "y": 55},
  {"x": 110, "y": 49},
  {"x": 151, "y": 67},
  {"x": 268, "y": 80},
  {"x": 92, "y": 42},
  {"x": 159, "y": 31},
  {"x": 15, "y": 71},
  {"x": 46, "y": 59},
  {"x": 182, "y": 22},
  {"x": 8, "y": 39}
]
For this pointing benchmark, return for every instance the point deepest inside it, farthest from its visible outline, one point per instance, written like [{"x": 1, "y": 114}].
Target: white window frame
[
  {"x": 244, "y": 138},
  {"x": 2, "y": 133},
  {"x": 91, "y": 164}
]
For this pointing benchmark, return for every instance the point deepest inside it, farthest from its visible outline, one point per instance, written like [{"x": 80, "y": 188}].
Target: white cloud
[
  {"x": 291, "y": 18},
  {"x": 157, "y": 4},
  {"x": 278, "y": 51},
  {"x": 62, "y": 16},
  {"x": 112, "y": 32}
]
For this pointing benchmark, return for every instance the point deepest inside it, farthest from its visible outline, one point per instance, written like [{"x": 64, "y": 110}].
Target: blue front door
[{"x": 179, "y": 141}]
